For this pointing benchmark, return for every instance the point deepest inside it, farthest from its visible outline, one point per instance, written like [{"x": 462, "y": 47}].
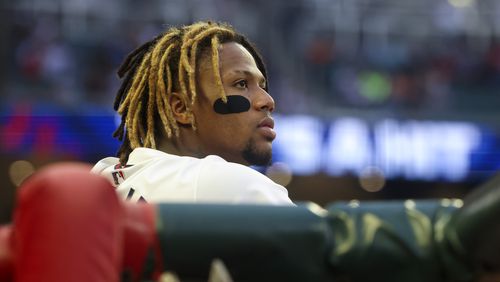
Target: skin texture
[{"x": 243, "y": 138}]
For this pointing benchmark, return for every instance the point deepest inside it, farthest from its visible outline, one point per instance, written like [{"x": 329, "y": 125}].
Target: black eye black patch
[{"x": 235, "y": 104}]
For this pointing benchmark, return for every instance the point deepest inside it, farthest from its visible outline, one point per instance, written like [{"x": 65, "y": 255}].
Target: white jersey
[{"x": 155, "y": 177}]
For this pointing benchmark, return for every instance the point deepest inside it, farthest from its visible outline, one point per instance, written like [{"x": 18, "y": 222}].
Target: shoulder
[
  {"x": 232, "y": 182},
  {"x": 104, "y": 164},
  {"x": 215, "y": 168},
  {"x": 151, "y": 174}
]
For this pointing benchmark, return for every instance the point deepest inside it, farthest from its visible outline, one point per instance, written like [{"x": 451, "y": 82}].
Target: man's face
[{"x": 244, "y": 137}]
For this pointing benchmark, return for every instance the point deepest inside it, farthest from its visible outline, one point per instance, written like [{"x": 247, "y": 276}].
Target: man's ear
[{"x": 181, "y": 114}]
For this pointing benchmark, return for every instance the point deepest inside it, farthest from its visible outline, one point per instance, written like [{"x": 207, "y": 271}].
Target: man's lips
[
  {"x": 267, "y": 122},
  {"x": 266, "y": 127}
]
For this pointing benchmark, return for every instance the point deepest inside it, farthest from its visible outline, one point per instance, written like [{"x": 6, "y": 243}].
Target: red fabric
[
  {"x": 140, "y": 239},
  {"x": 5, "y": 254},
  {"x": 67, "y": 227}
]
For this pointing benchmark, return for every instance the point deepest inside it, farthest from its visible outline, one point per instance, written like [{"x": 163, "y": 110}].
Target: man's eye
[{"x": 241, "y": 84}]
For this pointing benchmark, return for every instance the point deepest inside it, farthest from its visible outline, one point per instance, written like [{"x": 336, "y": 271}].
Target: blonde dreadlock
[{"x": 164, "y": 65}]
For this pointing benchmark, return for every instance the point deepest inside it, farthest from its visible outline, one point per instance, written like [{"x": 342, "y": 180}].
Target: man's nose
[{"x": 263, "y": 101}]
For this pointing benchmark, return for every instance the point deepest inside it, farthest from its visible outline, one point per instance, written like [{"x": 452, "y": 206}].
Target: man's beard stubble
[{"x": 255, "y": 157}]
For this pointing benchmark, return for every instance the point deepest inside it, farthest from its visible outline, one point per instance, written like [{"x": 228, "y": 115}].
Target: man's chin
[
  {"x": 258, "y": 154},
  {"x": 257, "y": 158},
  {"x": 259, "y": 161}
]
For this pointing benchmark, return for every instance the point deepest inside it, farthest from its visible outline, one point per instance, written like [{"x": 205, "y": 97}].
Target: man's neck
[{"x": 180, "y": 146}]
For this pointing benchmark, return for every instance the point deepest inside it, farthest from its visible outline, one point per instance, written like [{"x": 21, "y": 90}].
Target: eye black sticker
[{"x": 235, "y": 104}]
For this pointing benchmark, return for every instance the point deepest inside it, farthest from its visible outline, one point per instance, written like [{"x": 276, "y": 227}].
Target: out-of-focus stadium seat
[
  {"x": 70, "y": 226},
  {"x": 5, "y": 254},
  {"x": 65, "y": 227}
]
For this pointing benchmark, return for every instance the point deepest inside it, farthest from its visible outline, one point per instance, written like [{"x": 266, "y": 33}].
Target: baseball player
[{"x": 195, "y": 112}]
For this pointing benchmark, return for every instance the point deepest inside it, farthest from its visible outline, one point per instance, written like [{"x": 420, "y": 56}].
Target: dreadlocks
[{"x": 164, "y": 65}]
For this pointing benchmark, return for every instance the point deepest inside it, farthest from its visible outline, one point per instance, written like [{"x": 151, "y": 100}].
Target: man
[{"x": 195, "y": 112}]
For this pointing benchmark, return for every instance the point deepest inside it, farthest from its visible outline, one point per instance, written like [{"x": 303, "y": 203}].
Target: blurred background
[{"x": 376, "y": 99}]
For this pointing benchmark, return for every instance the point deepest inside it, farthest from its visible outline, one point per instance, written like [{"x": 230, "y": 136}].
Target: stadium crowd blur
[
  {"x": 405, "y": 59},
  {"x": 429, "y": 56}
]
